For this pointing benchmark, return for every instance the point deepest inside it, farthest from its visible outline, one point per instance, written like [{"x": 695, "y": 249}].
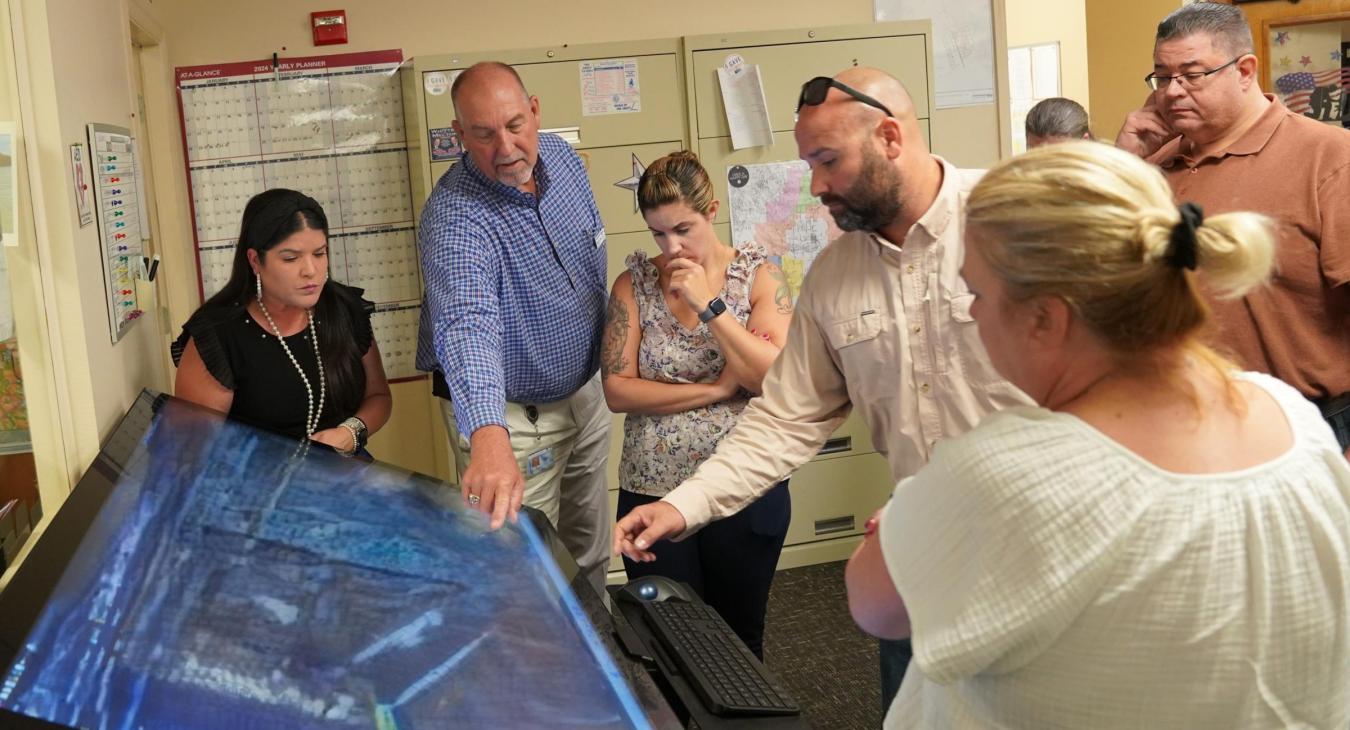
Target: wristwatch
[
  {"x": 715, "y": 307},
  {"x": 359, "y": 432}
]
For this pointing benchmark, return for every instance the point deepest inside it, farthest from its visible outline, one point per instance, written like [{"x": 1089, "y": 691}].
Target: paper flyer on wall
[
  {"x": 9, "y": 189},
  {"x": 610, "y": 86},
  {"x": 743, "y": 98},
  {"x": 963, "y": 46}
]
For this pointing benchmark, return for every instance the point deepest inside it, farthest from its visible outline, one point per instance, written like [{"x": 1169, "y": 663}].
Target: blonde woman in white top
[{"x": 1165, "y": 541}]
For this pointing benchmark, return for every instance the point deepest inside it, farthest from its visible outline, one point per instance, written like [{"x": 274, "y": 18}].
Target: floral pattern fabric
[
  {"x": 661, "y": 451},
  {"x": 13, "y": 412}
]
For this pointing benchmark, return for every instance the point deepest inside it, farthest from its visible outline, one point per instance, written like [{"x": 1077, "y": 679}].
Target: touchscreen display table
[{"x": 235, "y": 579}]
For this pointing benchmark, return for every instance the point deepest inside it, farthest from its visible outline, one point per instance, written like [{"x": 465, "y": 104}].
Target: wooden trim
[{"x": 1264, "y": 16}]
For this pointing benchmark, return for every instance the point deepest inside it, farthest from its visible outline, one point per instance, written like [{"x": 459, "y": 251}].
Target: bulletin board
[
  {"x": 117, "y": 208},
  {"x": 331, "y": 127}
]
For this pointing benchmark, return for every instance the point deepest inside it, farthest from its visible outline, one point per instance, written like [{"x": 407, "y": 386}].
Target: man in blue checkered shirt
[{"x": 513, "y": 253}]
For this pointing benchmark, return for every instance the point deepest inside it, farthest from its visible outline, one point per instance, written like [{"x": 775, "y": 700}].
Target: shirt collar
[
  {"x": 934, "y": 221},
  {"x": 1251, "y": 142},
  {"x": 944, "y": 209}
]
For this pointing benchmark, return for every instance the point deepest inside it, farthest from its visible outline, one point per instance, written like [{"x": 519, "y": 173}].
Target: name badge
[
  {"x": 600, "y": 238},
  {"x": 538, "y": 462}
]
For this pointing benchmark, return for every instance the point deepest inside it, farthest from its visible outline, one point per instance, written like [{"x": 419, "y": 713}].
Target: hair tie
[{"x": 1181, "y": 250}]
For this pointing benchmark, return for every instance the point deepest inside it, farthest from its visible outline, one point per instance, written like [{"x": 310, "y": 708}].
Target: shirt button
[
  {"x": 923, "y": 387},
  {"x": 909, "y": 269},
  {"x": 917, "y": 329}
]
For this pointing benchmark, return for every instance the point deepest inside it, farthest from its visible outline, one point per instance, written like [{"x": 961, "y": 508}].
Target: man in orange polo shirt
[{"x": 1225, "y": 145}]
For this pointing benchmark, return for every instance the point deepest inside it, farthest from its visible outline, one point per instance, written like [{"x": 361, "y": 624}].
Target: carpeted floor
[{"x": 812, "y": 644}]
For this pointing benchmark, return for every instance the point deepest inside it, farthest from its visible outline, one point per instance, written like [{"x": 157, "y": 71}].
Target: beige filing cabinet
[
  {"x": 615, "y": 146},
  {"x": 834, "y": 494},
  {"x": 608, "y": 142}
]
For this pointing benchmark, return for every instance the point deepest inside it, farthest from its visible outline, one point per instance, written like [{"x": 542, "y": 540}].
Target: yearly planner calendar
[{"x": 332, "y": 128}]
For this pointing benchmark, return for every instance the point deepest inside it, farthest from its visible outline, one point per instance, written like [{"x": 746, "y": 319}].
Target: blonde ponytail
[
  {"x": 1237, "y": 252},
  {"x": 1097, "y": 227}
]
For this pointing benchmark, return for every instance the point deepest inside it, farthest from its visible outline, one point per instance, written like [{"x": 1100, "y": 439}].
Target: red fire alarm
[{"x": 330, "y": 27}]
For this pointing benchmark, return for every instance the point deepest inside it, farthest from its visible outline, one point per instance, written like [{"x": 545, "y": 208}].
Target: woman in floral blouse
[{"x": 688, "y": 337}]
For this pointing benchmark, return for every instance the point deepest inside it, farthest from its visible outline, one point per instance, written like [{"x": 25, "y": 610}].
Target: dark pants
[
  {"x": 730, "y": 563},
  {"x": 895, "y": 655},
  {"x": 1337, "y": 413}
]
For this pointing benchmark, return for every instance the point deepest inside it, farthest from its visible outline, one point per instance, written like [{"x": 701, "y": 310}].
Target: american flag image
[{"x": 1296, "y": 89}]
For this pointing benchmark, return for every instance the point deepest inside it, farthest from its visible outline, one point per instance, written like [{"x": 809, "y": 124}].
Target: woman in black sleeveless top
[{"x": 281, "y": 346}]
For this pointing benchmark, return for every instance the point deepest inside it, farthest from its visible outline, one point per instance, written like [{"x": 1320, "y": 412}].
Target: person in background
[
  {"x": 1225, "y": 145},
  {"x": 281, "y": 346},
  {"x": 688, "y": 337},
  {"x": 513, "y": 254},
  {"x": 1056, "y": 120},
  {"x": 1164, "y": 540}
]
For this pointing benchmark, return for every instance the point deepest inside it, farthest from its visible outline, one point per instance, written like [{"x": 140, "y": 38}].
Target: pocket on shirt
[
  {"x": 964, "y": 345},
  {"x": 961, "y": 307},
  {"x": 853, "y": 330}
]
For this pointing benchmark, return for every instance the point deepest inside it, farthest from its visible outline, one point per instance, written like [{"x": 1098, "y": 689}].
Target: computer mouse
[{"x": 655, "y": 588}]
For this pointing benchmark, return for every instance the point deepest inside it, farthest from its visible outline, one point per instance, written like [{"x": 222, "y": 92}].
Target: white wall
[
  {"x": 78, "y": 72},
  {"x": 1032, "y": 22}
]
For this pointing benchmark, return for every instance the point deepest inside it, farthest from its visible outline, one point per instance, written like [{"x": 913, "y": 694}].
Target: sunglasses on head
[{"x": 815, "y": 91}]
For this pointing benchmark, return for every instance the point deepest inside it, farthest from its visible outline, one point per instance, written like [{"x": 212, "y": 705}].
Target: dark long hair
[{"x": 271, "y": 217}]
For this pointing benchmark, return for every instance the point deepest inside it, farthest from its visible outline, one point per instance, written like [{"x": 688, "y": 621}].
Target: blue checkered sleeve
[
  {"x": 460, "y": 273},
  {"x": 515, "y": 286}
]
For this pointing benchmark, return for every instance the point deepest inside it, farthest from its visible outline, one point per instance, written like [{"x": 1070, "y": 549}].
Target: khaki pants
[{"x": 572, "y": 492}]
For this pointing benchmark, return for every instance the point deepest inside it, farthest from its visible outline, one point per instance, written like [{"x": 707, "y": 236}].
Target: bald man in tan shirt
[{"x": 882, "y": 323}]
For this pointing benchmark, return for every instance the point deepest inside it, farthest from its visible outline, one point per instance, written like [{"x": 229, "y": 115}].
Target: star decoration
[
  {"x": 1305, "y": 61},
  {"x": 630, "y": 183},
  {"x": 1282, "y": 37},
  {"x": 1285, "y": 62},
  {"x": 1335, "y": 56}
]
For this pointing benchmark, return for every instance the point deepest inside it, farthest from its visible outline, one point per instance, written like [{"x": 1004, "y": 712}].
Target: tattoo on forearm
[
  {"x": 616, "y": 336},
  {"x": 782, "y": 296}
]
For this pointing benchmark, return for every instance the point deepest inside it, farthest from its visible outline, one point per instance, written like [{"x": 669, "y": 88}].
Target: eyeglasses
[
  {"x": 1187, "y": 80},
  {"x": 815, "y": 91}
]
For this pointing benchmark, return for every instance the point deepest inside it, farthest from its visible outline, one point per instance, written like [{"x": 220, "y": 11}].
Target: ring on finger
[{"x": 473, "y": 499}]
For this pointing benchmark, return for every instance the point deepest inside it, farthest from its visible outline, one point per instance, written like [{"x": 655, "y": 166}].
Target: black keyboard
[{"x": 727, "y": 677}]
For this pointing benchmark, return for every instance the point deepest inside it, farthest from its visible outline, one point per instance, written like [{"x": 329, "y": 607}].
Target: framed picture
[{"x": 445, "y": 144}]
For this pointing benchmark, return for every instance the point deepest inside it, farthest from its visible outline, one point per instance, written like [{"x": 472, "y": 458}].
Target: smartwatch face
[{"x": 715, "y": 307}]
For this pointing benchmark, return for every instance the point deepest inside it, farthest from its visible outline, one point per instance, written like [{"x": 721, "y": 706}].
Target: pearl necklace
[{"x": 311, "y": 414}]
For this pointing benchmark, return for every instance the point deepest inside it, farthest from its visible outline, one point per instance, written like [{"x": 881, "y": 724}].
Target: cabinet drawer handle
[
  {"x": 837, "y": 445},
  {"x": 834, "y": 524}
]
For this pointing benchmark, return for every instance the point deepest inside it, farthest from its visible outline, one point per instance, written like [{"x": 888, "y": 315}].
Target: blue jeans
[{"x": 895, "y": 655}]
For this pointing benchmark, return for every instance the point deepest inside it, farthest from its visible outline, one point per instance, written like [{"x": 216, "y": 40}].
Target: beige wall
[
  {"x": 206, "y": 31},
  {"x": 24, "y": 287},
  {"x": 1120, "y": 55},
  {"x": 77, "y": 71},
  {"x": 1033, "y": 22}
]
